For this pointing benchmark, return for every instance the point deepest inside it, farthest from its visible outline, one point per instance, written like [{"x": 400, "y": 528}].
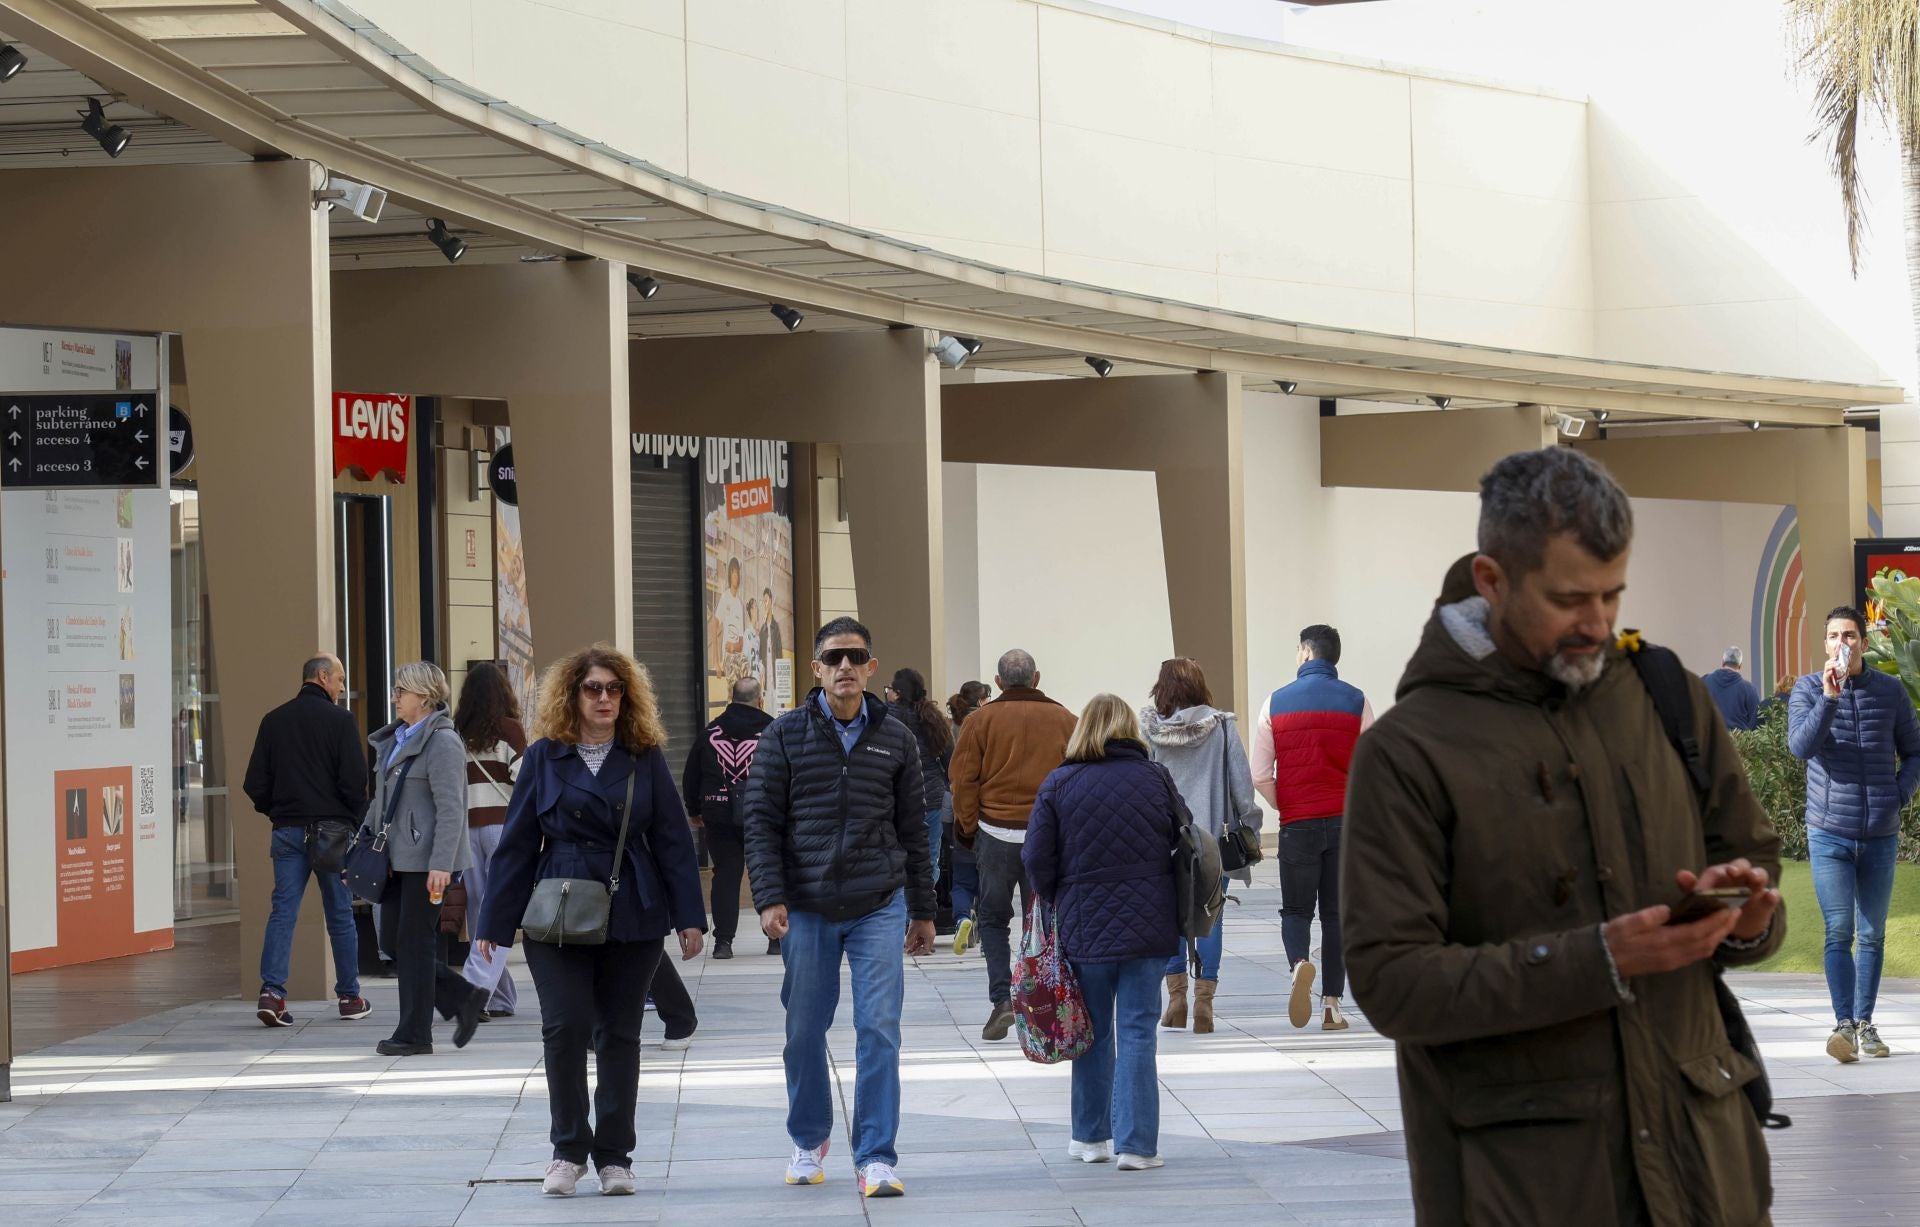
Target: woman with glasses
[
  {"x": 600, "y": 750},
  {"x": 420, "y": 797}
]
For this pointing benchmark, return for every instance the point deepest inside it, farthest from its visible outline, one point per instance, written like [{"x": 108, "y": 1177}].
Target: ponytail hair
[
  {"x": 912, "y": 689},
  {"x": 971, "y": 696}
]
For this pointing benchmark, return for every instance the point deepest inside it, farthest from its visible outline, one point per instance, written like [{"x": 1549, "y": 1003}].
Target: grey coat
[
  {"x": 429, "y": 828},
  {"x": 1201, "y": 750}
]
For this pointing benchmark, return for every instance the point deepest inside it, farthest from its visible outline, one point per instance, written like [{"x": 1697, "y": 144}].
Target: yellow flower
[{"x": 1629, "y": 641}]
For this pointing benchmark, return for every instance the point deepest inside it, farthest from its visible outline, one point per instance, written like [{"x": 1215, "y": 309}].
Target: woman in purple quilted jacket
[{"x": 1099, "y": 848}]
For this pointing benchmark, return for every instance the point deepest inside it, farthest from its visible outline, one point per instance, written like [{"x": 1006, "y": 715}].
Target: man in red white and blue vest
[{"x": 1302, "y": 747}]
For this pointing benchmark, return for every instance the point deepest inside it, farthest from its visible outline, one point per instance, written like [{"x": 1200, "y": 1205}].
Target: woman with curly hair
[{"x": 600, "y": 746}]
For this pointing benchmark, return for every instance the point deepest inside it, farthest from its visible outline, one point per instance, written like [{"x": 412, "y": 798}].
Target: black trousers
[
  {"x": 592, "y": 998},
  {"x": 1310, "y": 875},
  {"x": 410, "y": 930},
  {"x": 672, "y": 1001},
  {"x": 729, "y": 853}
]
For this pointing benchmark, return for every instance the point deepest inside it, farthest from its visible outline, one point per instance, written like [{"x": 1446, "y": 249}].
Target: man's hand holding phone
[
  {"x": 1663, "y": 938},
  {"x": 1834, "y": 676}
]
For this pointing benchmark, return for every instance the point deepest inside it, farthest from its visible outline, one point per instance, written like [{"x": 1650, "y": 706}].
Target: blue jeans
[
  {"x": 1119, "y": 1099},
  {"x": 934, "y": 829},
  {"x": 1853, "y": 880},
  {"x": 966, "y": 884},
  {"x": 873, "y": 946},
  {"x": 1211, "y": 947},
  {"x": 290, "y": 871}
]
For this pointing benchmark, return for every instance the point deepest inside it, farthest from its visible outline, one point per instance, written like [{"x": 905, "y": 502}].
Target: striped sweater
[{"x": 490, "y": 776}]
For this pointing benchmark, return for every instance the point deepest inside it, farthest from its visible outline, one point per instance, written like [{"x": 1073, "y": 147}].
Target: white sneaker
[
  {"x": 1300, "y": 999},
  {"x": 878, "y": 1180},
  {"x": 1140, "y": 1163},
  {"x": 1335, "y": 1020},
  {"x": 616, "y": 1181},
  {"x": 1091, "y": 1152},
  {"x": 680, "y": 1045},
  {"x": 804, "y": 1167},
  {"x": 562, "y": 1178}
]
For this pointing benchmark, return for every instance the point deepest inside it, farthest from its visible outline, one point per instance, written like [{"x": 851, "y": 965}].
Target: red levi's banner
[{"x": 371, "y": 431}]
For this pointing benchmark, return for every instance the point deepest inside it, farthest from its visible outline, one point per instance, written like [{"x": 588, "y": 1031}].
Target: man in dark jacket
[
  {"x": 1738, "y": 701},
  {"x": 1856, "y": 728},
  {"x": 715, "y": 786},
  {"x": 837, "y": 852},
  {"x": 308, "y": 766},
  {"x": 1519, "y": 829}
]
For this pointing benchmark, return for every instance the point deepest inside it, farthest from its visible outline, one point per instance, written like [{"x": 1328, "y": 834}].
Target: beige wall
[{"x": 232, "y": 258}]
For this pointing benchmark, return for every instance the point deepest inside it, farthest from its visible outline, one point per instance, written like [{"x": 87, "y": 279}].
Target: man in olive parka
[{"x": 1519, "y": 826}]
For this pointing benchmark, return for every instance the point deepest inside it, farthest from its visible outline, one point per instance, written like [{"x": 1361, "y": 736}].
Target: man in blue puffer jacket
[{"x": 1857, "y": 730}]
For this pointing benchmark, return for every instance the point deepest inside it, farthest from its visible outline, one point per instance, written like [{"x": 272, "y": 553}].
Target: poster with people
[{"x": 746, "y": 504}]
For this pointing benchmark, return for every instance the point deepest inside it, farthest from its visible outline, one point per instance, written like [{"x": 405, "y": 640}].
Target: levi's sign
[
  {"x": 79, "y": 439},
  {"x": 370, "y": 434}
]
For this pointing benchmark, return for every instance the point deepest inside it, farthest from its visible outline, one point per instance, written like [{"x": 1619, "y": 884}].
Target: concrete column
[
  {"x": 877, "y": 394},
  {"x": 550, "y": 339},
  {"x": 233, "y": 259}
]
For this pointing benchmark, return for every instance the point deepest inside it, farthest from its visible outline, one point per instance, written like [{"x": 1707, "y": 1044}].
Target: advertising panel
[
  {"x": 746, "y": 497},
  {"x": 88, "y": 623}
]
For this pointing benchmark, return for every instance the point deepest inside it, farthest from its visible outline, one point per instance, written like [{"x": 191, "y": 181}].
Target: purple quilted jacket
[{"x": 1100, "y": 847}]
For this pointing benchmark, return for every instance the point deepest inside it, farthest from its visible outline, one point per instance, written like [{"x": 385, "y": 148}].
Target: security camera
[
  {"x": 362, "y": 200},
  {"x": 1570, "y": 427}
]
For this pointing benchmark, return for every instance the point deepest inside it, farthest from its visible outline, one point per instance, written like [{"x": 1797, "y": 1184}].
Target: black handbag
[
  {"x": 327, "y": 844},
  {"x": 368, "y": 867},
  {"x": 1239, "y": 845},
  {"x": 578, "y": 911}
]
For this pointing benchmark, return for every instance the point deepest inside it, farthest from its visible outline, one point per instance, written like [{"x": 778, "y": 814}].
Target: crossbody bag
[{"x": 577, "y": 911}]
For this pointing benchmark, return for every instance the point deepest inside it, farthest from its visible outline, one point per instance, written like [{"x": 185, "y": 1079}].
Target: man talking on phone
[{"x": 1521, "y": 831}]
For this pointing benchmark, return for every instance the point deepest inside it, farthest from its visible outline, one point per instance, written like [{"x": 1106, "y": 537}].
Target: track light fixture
[
  {"x": 1441, "y": 402},
  {"x": 111, "y": 137},
  {"x": 786, "y": 315},
  {"x": 643, "y": 285},
  {"x": 450, "y": 246},
  {"x": 953, "y": 352},
  {"x": 11, "y": 62},
  {"x": 1753, "y": 425},
  {"x": 1101, "y": 367},
  {"x": 1601, "y": 416},
  {"x": 1286, "y": 385}
]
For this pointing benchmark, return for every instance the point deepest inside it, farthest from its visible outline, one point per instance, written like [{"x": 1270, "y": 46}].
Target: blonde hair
[
  {"x": 557, "y": 718},
  {"x": 1107, "y": 718},
  {"x": 425, "y": 679}
]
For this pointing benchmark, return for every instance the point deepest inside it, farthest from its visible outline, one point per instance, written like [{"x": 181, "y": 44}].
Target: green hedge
[{"x": 1780, "y": 782}]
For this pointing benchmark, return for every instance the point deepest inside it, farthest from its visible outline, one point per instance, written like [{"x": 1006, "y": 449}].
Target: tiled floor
[
  {"x": 199, "y": 1116},
  {"x": 63, "y": 1003}
]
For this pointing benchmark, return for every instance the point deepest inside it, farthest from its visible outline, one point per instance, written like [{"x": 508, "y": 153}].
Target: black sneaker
[
  {"x": 469, "y": 1020},
  {"x": 723, "y": 949},
  {"x": 273, "y": 1010}
]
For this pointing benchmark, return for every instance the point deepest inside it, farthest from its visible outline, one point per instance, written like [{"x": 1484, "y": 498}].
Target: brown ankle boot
[
  {"x": 1175, "y": 1019},
  {"x": 1203, "y": 1006}
]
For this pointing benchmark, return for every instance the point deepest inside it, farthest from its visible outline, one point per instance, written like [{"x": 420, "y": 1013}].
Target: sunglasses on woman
[
  {"x": 600, "y": 689},
  {"x": 833, "y": 658}
]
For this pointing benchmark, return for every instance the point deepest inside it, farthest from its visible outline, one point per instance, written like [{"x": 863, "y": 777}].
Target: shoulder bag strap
[
  {"x": 620, "y": 845},
  {"x": 505, "y": 796},
  {"x": 393, "y": 797}
]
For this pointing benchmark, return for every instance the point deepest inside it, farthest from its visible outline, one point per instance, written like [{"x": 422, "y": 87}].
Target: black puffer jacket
[
  {"x": 835, "y": 833},
  {"x": 933, "y": 765}
]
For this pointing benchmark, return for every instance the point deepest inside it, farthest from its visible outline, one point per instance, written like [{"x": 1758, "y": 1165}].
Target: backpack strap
[{"x": 1666, "y": 681}]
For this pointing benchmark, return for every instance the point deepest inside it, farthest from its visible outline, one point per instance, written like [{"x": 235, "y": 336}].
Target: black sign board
[
  {"x": 500, "y": 477},
  {"x": 79, "y": 439},
  {"x": 179, "y": 442}
]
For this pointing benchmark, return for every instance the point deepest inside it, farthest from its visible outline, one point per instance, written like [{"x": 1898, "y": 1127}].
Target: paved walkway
[{"x": 201, "y": 1117}]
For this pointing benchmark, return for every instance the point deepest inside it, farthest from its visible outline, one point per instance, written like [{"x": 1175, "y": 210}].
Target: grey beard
[{"x": 1576, "y": 673}]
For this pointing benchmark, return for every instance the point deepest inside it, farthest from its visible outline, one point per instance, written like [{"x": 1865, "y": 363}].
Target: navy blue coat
[
  {"x": 1862, "y": 751},
  {"x": 1100, "y": 848},
  {"x": 563, "y": 822},
  {"x": 1738, "y": 701}
]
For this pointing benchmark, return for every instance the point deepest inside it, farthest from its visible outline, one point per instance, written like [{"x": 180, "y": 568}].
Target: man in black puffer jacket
[{"x": 837, "y": 854}]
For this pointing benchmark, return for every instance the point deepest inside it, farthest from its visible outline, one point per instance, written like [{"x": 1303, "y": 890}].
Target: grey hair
[
  {"x": 1016, "y": 668},
  {"x": 1733, "y": 658},
  {"x": 1532, "y": 496},
  {"x": 425, "y": 679},
  {"x": 317, "y": 667}
]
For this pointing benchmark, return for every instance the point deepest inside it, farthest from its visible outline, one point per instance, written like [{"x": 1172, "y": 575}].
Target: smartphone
[
  {"x": 1845, "y": 657},
  {"x": 1701, "y": 904}
]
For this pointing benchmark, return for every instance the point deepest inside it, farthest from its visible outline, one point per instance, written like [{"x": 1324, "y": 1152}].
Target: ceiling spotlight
[
  {"x": 450, "y": 246},
  {"x": 1753, "y": 425},
  {"x": 953, "y": 352},
  {"x": 643, "y": 285},
  {"x": 11, "y": 62},
  {"x": 786, "y": 315},
  {"x": 112, "y": 137},
  {"x": 1286, "y": 385},
  {"x": 1601, "y": 416},
  {"x": 1441, "y": 402},
  {"x": 1569, "y": 426},
  {"x": 1101, "y": 367}
]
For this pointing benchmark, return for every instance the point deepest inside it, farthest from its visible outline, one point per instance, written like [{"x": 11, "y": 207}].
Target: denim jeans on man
[
  {"x": 873, "y": 946},
  {"x": 1212, "y": 946},
  {"x": 1118, "y": 1096},
  {"x": 1853, "y": 880},
  {"x": 998, "y": 863},
  {"x": 290, "y": 871},
  {"x": 1310, "y": 875}
]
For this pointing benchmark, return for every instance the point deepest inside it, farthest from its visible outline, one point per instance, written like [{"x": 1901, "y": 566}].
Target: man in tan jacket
[
  {"x": 1006, "y": 749},
  {"x": 1520, "y": 836}
]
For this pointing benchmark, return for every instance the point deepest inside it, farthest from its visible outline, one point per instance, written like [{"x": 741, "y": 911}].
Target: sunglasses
[
  {"x": 597, "y": 689},
  {"x": 833, "y": 658}
]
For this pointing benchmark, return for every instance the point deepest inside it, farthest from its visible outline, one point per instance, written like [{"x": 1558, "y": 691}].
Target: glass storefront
[{"x": 203, "y": 879}]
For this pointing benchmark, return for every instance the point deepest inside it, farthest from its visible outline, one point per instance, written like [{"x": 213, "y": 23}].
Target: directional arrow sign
[
  {"x": 141, "y": 408},
  {"x": 80, "y": 439},
  {"x": 14, "y": 413},
  {"x": 139, "y": 436},
  {"x": 14, "y": 437},
  {"x": 14, "y": 464}
]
